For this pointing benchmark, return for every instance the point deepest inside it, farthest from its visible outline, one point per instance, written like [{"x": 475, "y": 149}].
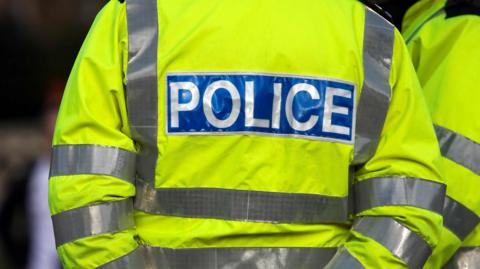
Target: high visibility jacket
[
  {"x": 234, "y": 127},
  {"x": 443, "y": 39}
]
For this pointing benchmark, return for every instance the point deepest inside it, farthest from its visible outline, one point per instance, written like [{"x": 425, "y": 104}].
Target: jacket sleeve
[
  {"x": 93, "y": 160},
  {"x": 438, "y": 49},
  {"x": 398, "y": 193}
]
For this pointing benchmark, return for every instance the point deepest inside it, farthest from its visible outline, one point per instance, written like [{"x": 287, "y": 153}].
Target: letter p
[{"x": 176, "y": 106}]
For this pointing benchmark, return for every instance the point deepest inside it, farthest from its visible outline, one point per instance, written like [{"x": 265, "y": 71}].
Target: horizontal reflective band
[
  {"x": 401, "y": 241},
  {"x": 465, "y": 258},
  {"x": 93, "y": 220},
  {"x": 401, "y": 191},
  {"x": 93, "y": 159},
  {"x": 344, "y": 260},
  {"x": 241, "y": 205},
  {"x": 133, "y": 260},
  {"x": 376, "y": 93},
  {"x": 459, "y": 149},
  {"x": 251, "y": 258},
  {"x": 459, "y": 219}
]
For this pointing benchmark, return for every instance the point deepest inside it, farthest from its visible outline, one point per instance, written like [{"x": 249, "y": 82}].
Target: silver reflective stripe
[
  {"x": 93, "y": 220},
  {"x": 93, "y": 159},
  {"x": 401, "y": 191},
  {"x": 224, "y": 258},
  {"x": 142, "y": 84},
  {"x": 376, "y": 92},
  {"x": 458, "y": 218},
  {"x": 133, "y": 260},
  {"x": 343, "y": 260},
  {"x": 241, "y": 205},
  {"x": 230, "y": 258},
  {"x": 401, "y": 241},
  {"x": 465, "y": 258},
  {"x": 459, "y": 148}
]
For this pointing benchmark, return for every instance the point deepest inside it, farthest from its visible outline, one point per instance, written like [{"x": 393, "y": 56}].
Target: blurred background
[
  {"x": 39, "y": 43},
  {"x": 39, "y": 40}
]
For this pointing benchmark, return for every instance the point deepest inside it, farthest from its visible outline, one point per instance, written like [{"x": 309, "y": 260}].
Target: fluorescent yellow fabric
[
  {"x": 93, "y": 111},
  {"x": 325, "y": 40},
  {"x": 394, "y": 157},
  {"x": 446, "y": 57}
]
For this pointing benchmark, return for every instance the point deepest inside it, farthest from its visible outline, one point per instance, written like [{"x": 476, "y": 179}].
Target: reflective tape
[
  {"x": 142, "y": 84},
  {"x": 251, "y": 258},
  {"x": 458, "y": 218},
  {"x": 465, "y": 258},
  {"x": 134, "y": 260},
  {"x": 376, "y": 92},
  {"x": 224, "y": 258},
  {"x": 459, "y": 148},
  {"x": 399, "y": 191},
  {"x": 93, "y": 159},
  {"x": 254, "y": 206},
  {"x": 343, "y": 260},
  {"x": 401, "y": 241},
  {"x": 93, "y": 220}
]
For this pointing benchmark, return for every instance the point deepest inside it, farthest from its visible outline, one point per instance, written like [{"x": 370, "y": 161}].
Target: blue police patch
[{"x": 264, "y": 104}]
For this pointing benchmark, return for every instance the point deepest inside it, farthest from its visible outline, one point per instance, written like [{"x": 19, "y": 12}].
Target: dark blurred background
[{"x": 39, "y": 42}]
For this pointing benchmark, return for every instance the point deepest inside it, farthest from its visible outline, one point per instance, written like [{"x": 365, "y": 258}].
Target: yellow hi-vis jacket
[
  {"x": 215, "y": 134},
  {"x": 443, "y": 38}
]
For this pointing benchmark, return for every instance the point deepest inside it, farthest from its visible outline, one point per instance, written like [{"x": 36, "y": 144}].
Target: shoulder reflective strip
[
  {"x": 458, "y": 218},
  {"x": 93, "y": 159},
  {"x": 241, "y": 205},
  {"x": 93, "y": 220},
  {"x": 401, "y": 241},
  {"x": 142, "y": 84},
  {"x": 376, "y": 92},
  {"x": 251, "y": 258},
  {"x": 465, "y": 258},
  {"x": 414, "y": 33},
  {"x": 343, "y": 260},
  {"x": 133, "y": 260},
  {"x": 399, "y": 191},
  {"x": 459, "y": 149}
]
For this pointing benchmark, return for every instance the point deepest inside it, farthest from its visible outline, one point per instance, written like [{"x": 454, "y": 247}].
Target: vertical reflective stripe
[
  {"x": 401, "y": 241},
  {"x": 459, "y": 148},
  {"x": 376, "y": 92},
  {"x": 93, "y": 220},
  {"x": 134, "y": 260},
  {"x": 229, "y": 258},
  {"x": 398, "y": 190},
  {"x": 344, "y": 260},
  {"x": 351, "y": 192},
  {"x": 458, "y": 218},
  {"x": 142, "y": 84},
  {"x": 465, "y": 258},
  {"x": 93, "y": 159}
]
